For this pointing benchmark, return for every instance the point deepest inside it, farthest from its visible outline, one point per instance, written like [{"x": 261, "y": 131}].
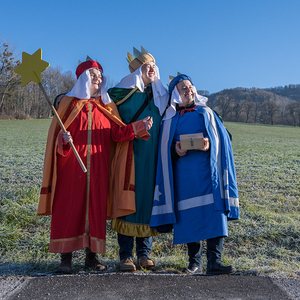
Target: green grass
[{"x": 266, "y": 239}]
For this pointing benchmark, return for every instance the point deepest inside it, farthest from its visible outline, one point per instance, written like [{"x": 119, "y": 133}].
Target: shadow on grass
[{"x": 34, "y": 269}]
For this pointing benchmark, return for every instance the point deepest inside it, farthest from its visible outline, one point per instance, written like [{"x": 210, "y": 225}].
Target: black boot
[
  {"x": 214, "y": 258},
  {"x": 195, "y": 258},
  {"x": 92, "y": 262},
  {"x": 65, "y": 266},
  {"x": 219, "y": 269}
]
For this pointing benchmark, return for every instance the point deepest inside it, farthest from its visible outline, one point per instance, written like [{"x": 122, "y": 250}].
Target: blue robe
[{"x": 196, "y": 193}]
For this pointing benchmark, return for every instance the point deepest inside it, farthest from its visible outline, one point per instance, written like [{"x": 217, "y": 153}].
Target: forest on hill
[
  {"x": 278, "y": 105},
  {"x": 291, "y": 91}
]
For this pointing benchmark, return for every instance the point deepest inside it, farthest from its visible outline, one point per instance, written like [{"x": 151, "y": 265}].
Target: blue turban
[{"x": 176, "y": 80}]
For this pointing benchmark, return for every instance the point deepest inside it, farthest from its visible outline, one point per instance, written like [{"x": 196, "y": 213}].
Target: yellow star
[{"x": 31, "y": 67}]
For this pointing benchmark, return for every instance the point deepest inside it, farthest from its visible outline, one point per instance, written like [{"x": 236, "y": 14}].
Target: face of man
[
  {"x": 96, "y": 80},
  {"x": 148, "y": 72},
  {"x": 186, "y": 92}
]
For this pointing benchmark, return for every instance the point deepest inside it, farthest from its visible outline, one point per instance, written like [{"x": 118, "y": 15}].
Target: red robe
[{"x": 80, "y": 199}]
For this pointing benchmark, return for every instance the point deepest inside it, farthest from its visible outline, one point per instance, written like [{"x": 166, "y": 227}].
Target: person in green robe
[{"x": 137, "y": 95}]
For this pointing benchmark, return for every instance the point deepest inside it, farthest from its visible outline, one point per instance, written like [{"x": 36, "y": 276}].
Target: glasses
[{"x": 94, "y": 75}]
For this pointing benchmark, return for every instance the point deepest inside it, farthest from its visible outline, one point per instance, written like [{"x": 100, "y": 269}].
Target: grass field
[{"x": 266, "y": 239}]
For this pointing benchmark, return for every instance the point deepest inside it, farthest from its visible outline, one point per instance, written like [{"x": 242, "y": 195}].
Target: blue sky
[{"x": 219, "y": 43}]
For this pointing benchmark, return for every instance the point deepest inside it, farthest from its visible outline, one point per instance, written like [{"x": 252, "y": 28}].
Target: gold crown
[
  {"x": 136, "y": 53},
  {"x": 172, "y": 77}
]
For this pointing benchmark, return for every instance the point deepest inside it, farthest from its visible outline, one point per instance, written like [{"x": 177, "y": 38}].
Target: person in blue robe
[{"x": 196, "y": 190}]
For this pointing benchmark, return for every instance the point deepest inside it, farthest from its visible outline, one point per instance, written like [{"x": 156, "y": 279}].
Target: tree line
[
  {"x": 267, "y": 106},
  {"x": 18, "y": 102},
  {"x": 256, "y": 106}
]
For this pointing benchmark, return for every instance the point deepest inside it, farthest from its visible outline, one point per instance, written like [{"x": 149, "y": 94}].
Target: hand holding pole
[{"x": 30, "y": 69}]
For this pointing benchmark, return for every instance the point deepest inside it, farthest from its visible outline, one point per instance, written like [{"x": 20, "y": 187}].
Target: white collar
[
  {"x": 160, "y": 93},
  {"x": 176, "y": 99},
  {"x": 82, "y": 88}
]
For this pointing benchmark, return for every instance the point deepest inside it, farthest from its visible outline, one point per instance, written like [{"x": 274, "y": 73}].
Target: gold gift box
[{"x": 191, "y": 141}]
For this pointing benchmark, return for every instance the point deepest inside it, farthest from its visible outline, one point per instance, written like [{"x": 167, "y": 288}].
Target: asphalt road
[{"x": 149, "y": 286}]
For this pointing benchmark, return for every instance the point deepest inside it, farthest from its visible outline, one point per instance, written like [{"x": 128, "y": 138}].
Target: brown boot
[
  {"x": 65, "y": 266},
  {"x": 92, "y": 262},
  {"x": 145, "y": 262},
  {"x": 127, "y": 265}
]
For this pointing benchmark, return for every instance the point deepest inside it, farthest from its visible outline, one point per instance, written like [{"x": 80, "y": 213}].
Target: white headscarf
[
  {"x": 160, "y": 93},
  {"x": 82, "y": 88},
  {"x": 176, "y": 99}
]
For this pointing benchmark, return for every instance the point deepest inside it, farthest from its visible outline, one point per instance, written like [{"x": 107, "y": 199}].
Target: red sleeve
[
  {"x": 140, "y": 130},
  {"x": 122, "y": 134}
]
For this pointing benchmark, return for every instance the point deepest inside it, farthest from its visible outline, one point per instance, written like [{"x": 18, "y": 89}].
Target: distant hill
[
  {"x": 257, "y": 95},
  {"x": 278, "y": 105}
]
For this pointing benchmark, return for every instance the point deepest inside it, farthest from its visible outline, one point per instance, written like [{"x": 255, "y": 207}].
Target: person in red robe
[{"x": 78, "y": 200}]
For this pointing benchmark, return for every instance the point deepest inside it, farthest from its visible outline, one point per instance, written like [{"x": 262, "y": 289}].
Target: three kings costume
[
  {"x": 196, "y": 193},
  {"x": 134, "y": 100},
  {"x": 81, "y": 202}
]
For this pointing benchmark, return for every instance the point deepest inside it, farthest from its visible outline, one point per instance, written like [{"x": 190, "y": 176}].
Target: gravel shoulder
[
  {"x": 290, "y": 285},
  {"x": 11, "y": 285},
  {"x": 56, "y": 286}
]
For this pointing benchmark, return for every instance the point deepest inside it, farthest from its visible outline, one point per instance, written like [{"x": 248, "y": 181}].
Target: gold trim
[
  {"x": 77, "y": 238},
  {"x": 127, "y": 96},
  {"x": 88, "y": 162},
  {"x": 67, "y": 239},
  {"x": 96, "y": 239},
  {"x": 132, "y": 229},
  {"x": 76, "y": 243}
]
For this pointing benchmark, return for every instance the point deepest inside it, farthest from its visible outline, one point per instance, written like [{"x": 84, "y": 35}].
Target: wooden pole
[{"x": 62, "y": 127}]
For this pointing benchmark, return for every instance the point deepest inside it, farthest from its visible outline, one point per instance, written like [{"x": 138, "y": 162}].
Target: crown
[
  {"x": 136, "y": 53},
  {"x": 88, "y": 64},
  {"x": 87, "y": 58},
  {"x": 172, "y": 77}
]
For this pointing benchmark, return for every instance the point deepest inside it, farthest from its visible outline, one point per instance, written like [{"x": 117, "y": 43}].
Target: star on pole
[{"x": 31, "y": 67}]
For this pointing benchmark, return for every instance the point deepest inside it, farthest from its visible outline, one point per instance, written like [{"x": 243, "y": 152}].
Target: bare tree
[
  {"x": 110, "y": 82},
  {"x": 292, "y": 112},
  {"x": 67, "y": 83},
  {"x": 203, "y": 92},
  {"x": 256, "y": 111},
  {"x": 270, "y": 110},
  {"x": 248, "y": 107},
  {"x": 298, "y": 111},
  {"x": 224, "y": 105},
  {"x": 237, "y": 108},
  {"x": 8, "y": 78}
]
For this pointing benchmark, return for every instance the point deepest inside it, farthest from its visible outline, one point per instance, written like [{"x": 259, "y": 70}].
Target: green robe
[{"x": 145, "y": 159}]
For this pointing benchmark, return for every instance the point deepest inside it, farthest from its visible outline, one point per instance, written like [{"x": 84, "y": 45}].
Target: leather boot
[
  {"x": 65, "y": 266},
  {"x": 92, "y": 262}
]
